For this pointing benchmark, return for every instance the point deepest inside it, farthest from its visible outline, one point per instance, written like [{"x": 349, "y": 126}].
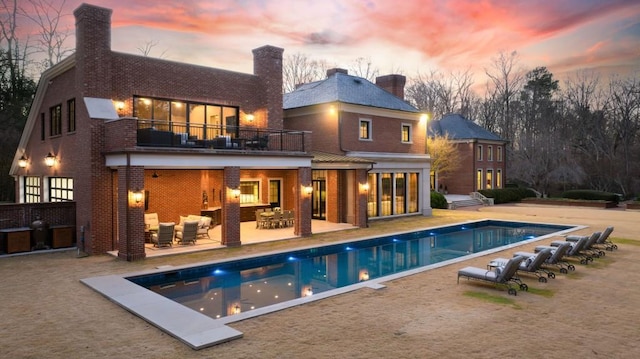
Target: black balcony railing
[{"x": 188, "y": 135}]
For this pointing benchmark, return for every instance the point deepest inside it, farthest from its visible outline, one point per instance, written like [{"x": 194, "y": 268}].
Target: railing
[
  {"x": 479, "y": 196},
  {"x": 190, "y": 135}
]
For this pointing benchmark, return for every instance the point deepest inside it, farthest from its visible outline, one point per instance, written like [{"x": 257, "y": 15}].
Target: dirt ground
[{"x": 594, "y": 312}]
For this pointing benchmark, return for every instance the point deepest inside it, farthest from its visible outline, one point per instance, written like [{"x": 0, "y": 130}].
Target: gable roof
[
  {"x": 460, "y": 128},
  {"x": 340, "y": 87}
]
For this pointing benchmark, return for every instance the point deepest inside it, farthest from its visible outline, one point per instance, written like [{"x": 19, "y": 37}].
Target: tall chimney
[
  {"x": 393, "y": 84},
  {"x": 267, "y": 64}
]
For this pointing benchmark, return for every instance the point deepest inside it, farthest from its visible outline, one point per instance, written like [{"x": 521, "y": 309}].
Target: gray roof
[
  {"x": 325, "y": 157},
  {"x": 340, "y": 87},
  {"x": 460, "y": 128}
]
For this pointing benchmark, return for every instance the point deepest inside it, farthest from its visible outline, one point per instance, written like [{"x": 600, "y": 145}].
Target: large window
[
  {"x": 71, "y": 115},
  {"x": 60, "y": 189},
  {"x": 489, "y": 179},
  {"x": 479, "y": 153},
  {"x": 249, "y": 192},
  {"x": 198, "y": 120},
  {"x": 32, "y": 189},
  {"x": 393, "y": 193},
  {"x": 479, "y": 179},
  {"x": 55, "y": 120},
  {"x": 499, "y": 153},
  {"x": 365, "y": 129},
  {"x": 498, "y": 178},
  {"x": 489, "y": 153}
]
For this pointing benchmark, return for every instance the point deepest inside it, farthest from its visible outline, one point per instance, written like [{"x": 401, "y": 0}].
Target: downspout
[{"x": 127, "y": 180}]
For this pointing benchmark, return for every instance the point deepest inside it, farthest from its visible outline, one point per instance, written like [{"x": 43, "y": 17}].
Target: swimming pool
[
  {"x": 217, "y": 293},
  {"x": 237, "y": 286}
]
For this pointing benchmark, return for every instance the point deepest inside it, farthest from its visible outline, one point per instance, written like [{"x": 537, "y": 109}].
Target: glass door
[{"x": 318, "y": 199}]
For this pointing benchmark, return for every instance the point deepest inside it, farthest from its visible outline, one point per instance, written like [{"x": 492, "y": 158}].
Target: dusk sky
[{"x": 397, "y": 35}]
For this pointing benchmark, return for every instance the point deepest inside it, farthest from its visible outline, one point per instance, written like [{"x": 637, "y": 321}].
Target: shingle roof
[
  {"x": 344, "y": 88},
  {"x": 325, "y": 157},
  {"x": 460, "y": 128}
]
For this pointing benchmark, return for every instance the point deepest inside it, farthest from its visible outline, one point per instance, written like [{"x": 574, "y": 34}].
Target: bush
[
  {"x": 438, "y": 200},
  {"x": 507, "y": 195},
  {"x": 591, "y": 195}
]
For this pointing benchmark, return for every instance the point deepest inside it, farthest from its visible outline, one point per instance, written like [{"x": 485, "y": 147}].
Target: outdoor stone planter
[{"x": 571, "y": 202}]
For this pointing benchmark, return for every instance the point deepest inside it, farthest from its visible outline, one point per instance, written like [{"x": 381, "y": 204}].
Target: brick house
[
  {"x": 124, "y": 135},
  {"x": 363, "y": 133},
  {"x": 482, "y": 155}
]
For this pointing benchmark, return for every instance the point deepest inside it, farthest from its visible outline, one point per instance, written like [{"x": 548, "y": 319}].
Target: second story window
[
  {"x": 406, "y": 133},
  {"x": 365, "y": 129},
  {"x": 71, "y": 115},
  {"x": 55, "y": 124},
  {"x": 60, "y": 189},
  {"x": 479, "y": 153},
  {"x": 489, "y": 153},
  {"x": 499, "y": 153}
]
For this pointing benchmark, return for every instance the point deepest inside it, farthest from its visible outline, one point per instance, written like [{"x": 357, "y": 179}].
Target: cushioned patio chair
[
  {"x": 532, "y": 264},
  {"x": 203, "y": 227},
  {"x": 151, "y": 222},
  {"x": 164, "y": 236},
  {"x": 499, "y": 275},
  {"x": 575, "y": 249},
  {"x": 188, "y": 233},
  {"x": 602, "y": 242},
  {"x": 589, "y": 246},
  {"x": 554, "y": 260}
]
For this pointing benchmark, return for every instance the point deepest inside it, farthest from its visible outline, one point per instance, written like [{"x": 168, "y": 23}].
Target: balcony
[{"x": 154, "y": 133}]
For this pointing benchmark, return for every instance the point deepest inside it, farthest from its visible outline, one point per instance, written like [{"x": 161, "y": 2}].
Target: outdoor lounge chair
[
  {"x": 188, "y": 233},
  {"x": 601, "y": 242},
  {"x": 164, "y": 236},
  {"x": 554, "y": 260},
  {"x": 499, "y": 275},
  {"x": 532, "y": 264},
  {"x": 575, "y": 249},
  {"x": 588, "y": 249}
]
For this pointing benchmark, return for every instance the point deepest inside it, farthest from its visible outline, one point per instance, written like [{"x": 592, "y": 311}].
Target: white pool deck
[{"x": 199, "y": 331}]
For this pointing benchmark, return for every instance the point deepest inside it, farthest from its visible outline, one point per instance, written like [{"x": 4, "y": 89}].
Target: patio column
[
  {"x": 302, "y": 220},
  {"x": 231, "y": 207},
  {"x": 362, "y": 192},
  {"x": 130, "y": 213}
]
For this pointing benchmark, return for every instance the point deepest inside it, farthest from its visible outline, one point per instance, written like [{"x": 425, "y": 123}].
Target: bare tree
[
  {"x": 145, "y": 49},
  {"x": 51, "y": 39},
  {"x": 506, "y": 78},
  {"x": 363, "y": 67},
  {"x": 300, "y": 69}
]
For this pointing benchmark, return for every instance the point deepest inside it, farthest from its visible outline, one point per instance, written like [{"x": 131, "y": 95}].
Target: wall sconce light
[
  {"x": 22, "y": 162},
  {"x": 364, "y": 187},
  {"x": 50, "y": 160},
  {"x": 308, "y": 190},
  {"x": 250, "y": 117},
  {"x": 235, "y": 192},
  {"x": 236, "y": 309},
  {"x": 119, "y": 105},
  {"x": 136, "y": 197},
  {"x": 155, "y": 175}
]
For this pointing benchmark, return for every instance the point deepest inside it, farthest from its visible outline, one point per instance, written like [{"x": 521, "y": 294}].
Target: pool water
[{"x": 236, "y": 286}]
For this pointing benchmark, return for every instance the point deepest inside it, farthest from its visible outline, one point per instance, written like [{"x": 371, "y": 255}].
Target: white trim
[{"x": 205, "y": 161}]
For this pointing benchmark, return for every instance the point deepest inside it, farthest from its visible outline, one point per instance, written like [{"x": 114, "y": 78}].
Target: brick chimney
[
  {"x": 335, "y": 70},
  {"x": 393, "y": 84},
  {"x": 93, "y": 50},
  {"x": 267, "y": 64}
]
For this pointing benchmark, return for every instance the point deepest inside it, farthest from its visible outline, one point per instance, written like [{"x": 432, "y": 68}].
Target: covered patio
[{"x": 249, "y": 234}]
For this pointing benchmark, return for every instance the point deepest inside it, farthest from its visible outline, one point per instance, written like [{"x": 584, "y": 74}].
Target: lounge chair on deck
[
  {"x": 554, "y": 260},
  {"x": 589, "y": 247},
  {"x": 575, "y": 249},
  {"x": 164, "y": 236},
  {"x": 499, "y": 275},
  {"x": 532, "y": 264},
  {"x": 187, "y": 234},
  {"x": 602, "y": 242}
]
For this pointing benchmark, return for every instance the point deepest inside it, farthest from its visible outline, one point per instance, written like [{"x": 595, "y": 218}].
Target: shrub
[
  {"x": 506, "y": 195},
  {"x": 591, "y": 195},
  {"x": 438, "y": 200}
]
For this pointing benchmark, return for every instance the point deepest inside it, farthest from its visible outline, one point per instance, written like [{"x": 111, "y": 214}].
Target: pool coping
[{"x": 199, "y": 331}]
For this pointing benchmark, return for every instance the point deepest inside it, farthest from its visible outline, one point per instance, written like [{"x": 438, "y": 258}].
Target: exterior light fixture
[
  {"x": 308, "y": 190},
  {"x": 365, "y": 187},
  {"x": 364, "y": 275},
  {"x": 155, "y": 175},
  {"x": 22, "y": 162},
  {"x": 119, "y": 105},
  {"x": 236, "y": 309},
  {"x": 250, "y": 117},
  {"x": 235, "y": 192},
  {"x": 308, "y": 292},
  {"x": 50, "y": 160},
  {"x": 138, "y": 196}
]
